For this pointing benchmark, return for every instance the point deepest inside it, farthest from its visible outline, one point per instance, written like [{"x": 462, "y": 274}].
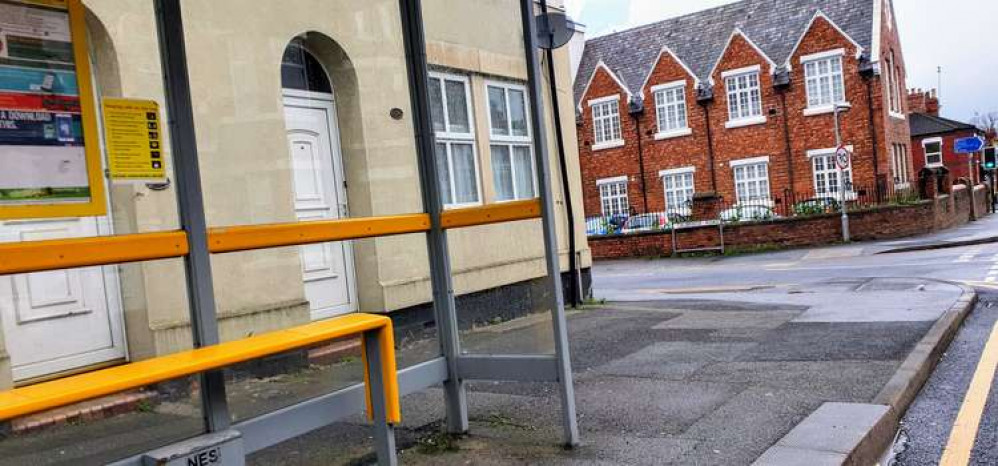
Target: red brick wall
[
  {"x": 895, "y": 130},
  {"x": 946, "y": 211},
  {"x": 956, "y": 163}
]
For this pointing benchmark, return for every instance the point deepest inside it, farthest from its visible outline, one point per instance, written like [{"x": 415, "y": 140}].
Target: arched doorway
[{"x": 318, "y": 179}]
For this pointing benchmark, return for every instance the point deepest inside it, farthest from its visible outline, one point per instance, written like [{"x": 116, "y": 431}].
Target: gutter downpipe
[
  {"x": 873, "y": 136},
  {"x": 710, "y": 146},
  {"x": 641, "y": 159},
  {"x": 786, "y": 142},
  {"x": 575, "y": 285}
]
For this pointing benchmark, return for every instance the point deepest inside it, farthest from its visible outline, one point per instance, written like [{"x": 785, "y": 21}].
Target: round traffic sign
[{"x": 842, "y": 157}]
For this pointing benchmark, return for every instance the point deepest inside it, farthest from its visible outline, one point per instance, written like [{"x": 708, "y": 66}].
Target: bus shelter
[{"x": 209, "y": 208}]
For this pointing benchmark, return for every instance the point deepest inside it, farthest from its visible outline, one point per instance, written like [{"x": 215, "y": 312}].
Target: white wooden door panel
[
  {"x": 58, "y": 320},
  {"x": 319, "y": 194}
]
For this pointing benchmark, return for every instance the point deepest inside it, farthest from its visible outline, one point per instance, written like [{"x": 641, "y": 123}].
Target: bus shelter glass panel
[
  {"x": 84, "y": 152},
  {"x": 302, "y": 116},
  {"x": 152, "y": 322},
  {"x": 487, "y": 153}
]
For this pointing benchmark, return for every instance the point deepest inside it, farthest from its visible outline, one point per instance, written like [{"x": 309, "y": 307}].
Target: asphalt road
[
  {"x": 928, "y": 425},
  {"x": 635, "y": 279},
  {"x": 926, "y": 428}
]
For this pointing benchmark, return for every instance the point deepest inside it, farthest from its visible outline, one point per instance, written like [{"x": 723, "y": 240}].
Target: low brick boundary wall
[{"x": 886, "y": 222}]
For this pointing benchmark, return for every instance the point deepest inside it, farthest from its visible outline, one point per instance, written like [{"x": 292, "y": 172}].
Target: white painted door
[
  {"x": 59, "y": 320},
  {"x": 320, "y": 194}
]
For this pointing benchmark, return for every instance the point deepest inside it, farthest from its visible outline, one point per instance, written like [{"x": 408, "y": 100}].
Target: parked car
[
  {"x": 818, "y": 205},
  {"x": 645, "y": 222},
  {"x": 604, "y": 225},
  {"x": 748, "y": 213}
]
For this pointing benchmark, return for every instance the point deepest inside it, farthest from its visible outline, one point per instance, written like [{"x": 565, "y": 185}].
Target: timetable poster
[{"x": 42, "y": 154}]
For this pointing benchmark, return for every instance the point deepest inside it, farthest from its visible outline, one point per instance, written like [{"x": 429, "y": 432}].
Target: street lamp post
[{"x": 842, "y": 178}]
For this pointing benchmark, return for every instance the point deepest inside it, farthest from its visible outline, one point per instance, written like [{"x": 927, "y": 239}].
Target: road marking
[
  {"x": 968, "y": 420},
  {"x": 969, "y": 255},
  {"x": 832, "y": 253},
  {"x": 870, "y": 266}
]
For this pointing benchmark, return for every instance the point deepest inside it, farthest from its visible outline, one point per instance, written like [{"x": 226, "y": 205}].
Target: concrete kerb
[
  {"x": 941, "y": 245},
  {"x": 869, "y": 430}
]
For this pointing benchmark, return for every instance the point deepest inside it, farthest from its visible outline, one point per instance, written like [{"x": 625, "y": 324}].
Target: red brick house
[
  {"x": 933, "y": 138},
  {"x": 738, "y": 101}
]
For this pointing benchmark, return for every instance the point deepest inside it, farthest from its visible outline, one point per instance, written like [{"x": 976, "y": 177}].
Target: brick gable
[
  {"x": 674, "y": 152},
  {"x": 606, "y": 163},
  {"x": 818, "y": 131},
  {"x": 764, "y": 139}
]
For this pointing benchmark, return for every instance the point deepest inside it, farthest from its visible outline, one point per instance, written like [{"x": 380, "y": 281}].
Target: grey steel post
[
  {"x": 436, "y": 240},
  {"x": 842, "y": 178},
  {"x": 570, "y": 425},
  {"x": 384, "y": 433},
  {"x": 190, "y": 200}
]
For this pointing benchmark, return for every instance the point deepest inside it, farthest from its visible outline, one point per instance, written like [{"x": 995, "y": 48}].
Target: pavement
[{"x": 982, "y": 231}]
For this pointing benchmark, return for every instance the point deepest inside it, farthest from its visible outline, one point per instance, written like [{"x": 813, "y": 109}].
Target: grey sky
[{"x": 955, "y": 34}]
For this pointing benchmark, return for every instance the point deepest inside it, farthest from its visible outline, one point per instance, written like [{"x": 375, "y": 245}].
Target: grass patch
[
  {"x": 437, "y": 443},
  {"x": 496, "y": 420}
]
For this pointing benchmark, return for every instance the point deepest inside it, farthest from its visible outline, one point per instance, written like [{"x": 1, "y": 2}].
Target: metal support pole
[
  {"x": 384, "y": 433},
  {"x": 190, "y": 200},
  {"x": 569, "y": 422},
  {"x": 436, "y": 240},
  {"x": 842, "y": 179}
]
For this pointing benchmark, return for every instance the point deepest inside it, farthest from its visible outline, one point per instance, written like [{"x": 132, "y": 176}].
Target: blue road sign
[{"x": 969, "y": 145}]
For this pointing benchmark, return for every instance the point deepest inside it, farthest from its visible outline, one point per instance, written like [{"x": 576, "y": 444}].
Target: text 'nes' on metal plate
[{"x": 217, "y": 449}]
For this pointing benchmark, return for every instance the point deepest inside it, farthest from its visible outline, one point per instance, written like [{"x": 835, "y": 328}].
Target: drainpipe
[
  {"x": 636, "y": 109},
  {"x": 705, "y": 95},
  {"x": 867, "y": 71},
  {"x": 782, "y": 84},
  {"x": 575, "y": 285}
]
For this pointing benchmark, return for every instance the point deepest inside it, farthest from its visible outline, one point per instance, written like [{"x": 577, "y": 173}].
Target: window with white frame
[
  {"x": 613, "y": 196},
  {"x": 744, "y": 95},
  {"x": 670, "y": 107},
  {"x": 679, "y": 189},
  {"x": 933, "y": 152},
  {"x": 606, "y": 121},
  {"x": 823, "y": 80},
  {"x": 752, "y": 180},
  {"x": 894, "y": 94},
  {"x": 512, "y": 151},
  {"x": 457, "y": 163},
  {"x": 899, "y": 164},
  {"x": 826, "y": 175}
]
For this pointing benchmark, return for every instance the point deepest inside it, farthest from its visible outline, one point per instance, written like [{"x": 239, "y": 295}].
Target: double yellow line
[{"x": 968, "y": 420}]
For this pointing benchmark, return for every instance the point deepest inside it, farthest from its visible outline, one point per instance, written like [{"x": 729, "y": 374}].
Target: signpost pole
[
  {"x": 842, "y": 179},
  {"x": 970, "y": 146}
]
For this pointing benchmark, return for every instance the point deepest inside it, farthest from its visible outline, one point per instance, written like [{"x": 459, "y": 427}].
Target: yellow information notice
[{"x": 133, "y": 136}]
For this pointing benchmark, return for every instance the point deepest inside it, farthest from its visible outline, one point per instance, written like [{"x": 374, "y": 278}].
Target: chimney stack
[{"x": 921, "y": 101}]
